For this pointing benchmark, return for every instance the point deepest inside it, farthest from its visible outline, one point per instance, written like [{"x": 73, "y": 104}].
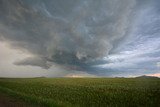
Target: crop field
[{"x": 84, "y": 92}]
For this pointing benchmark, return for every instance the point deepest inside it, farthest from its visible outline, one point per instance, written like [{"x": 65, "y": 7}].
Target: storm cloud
[{"x": 80, "y": 34}]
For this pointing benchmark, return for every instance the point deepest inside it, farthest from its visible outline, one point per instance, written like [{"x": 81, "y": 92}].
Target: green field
[{"x": 84, "y": 92}]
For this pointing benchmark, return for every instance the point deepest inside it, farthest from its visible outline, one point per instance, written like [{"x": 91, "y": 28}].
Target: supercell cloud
[{"x": 102, "y": 37}]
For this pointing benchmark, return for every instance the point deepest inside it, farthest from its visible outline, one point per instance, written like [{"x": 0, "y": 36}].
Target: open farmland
[{"x": 84, "y": 92}]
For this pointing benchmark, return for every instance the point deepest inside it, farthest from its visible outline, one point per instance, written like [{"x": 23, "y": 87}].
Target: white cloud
[{"x": 158, "y": 64}]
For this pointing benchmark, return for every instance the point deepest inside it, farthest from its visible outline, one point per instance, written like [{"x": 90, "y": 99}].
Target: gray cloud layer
[{"x": 73, "y": 33}]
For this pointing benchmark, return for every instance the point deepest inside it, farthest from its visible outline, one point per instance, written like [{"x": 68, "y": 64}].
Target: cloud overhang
[{"x": 103, "y": 37}]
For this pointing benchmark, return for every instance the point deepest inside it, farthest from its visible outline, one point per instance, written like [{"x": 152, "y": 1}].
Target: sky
[{"x": 79, "y": 38}]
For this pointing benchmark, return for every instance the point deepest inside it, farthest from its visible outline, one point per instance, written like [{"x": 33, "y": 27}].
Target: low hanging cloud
[
  {"x": 35, "y": 61},
  {"x": 65, "y": 32},
  {"x": 74, "y": 33}
]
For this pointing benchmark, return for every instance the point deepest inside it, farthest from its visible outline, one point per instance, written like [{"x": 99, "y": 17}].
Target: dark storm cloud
[
  {"x": 73, "y": 33},
  {"x": 65, "y": 32},
  {"x": 35, "y": 61}
]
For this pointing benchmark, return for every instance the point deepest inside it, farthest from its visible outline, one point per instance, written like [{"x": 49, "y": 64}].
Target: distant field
[{"x": 84, "y": 92}]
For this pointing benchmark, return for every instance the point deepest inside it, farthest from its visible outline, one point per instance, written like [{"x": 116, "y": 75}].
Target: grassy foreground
[{"x": 85, "y": 92}]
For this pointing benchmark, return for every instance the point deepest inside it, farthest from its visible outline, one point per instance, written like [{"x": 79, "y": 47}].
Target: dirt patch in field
[{"x": 7, "y": 101}]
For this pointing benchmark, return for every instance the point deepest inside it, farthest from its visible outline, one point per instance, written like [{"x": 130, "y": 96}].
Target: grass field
[{"x": 84, "y": 92}]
